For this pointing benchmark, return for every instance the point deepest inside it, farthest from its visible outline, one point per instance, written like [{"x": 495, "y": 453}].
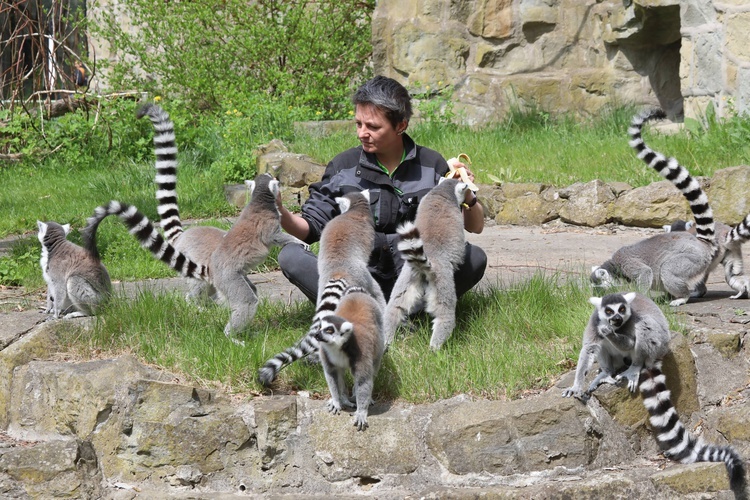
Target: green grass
[
  {"x": 560, "y": 152},
  {"x": 507, "y": 341},
  {"x": 528, "y": 147}
]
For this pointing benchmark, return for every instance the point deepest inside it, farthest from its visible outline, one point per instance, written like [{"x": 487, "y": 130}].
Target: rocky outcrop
[
  {"x": 567, "y": 56},
  {"x": 116, "y": 429}
]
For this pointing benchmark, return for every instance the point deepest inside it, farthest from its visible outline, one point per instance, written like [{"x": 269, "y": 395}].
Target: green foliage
[
  {"x": 21, "y": 268},
  {"x": 306, "y": 54}
]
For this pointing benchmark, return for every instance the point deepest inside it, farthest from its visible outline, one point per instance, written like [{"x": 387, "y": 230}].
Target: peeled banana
[{"x": 462, "y": 158}]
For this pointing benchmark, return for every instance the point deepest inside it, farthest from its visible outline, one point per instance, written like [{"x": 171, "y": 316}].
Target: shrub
[{"x": 306, "y": 54}]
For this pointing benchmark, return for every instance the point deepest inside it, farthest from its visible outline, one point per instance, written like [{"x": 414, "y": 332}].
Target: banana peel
[{"x": 462, "y": 158}]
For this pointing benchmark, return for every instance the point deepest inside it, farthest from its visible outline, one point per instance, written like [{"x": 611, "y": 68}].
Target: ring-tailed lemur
[
  {"x": 629, "y": 335},
  {"x": 672, "y": 262},
  {"x": 433, "y": 246},
  {"x": 197, "y": 242},
  {"x": 730, "y": 241},
  {"x": 352, "y": 338},
  {"x": 77, "y": 281},
  {"x": 345, "y": 246},
  {"x": 245, "y": 246}
]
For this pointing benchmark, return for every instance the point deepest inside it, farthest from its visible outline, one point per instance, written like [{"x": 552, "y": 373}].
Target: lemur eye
[
  {"x": 622, "y": 309},
  {"x": 329, "y": 330},
  {"x": 608, "y": 311}
]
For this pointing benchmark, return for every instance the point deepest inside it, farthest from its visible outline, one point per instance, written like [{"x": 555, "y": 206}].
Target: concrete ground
[{"x": 514, "y": 252}]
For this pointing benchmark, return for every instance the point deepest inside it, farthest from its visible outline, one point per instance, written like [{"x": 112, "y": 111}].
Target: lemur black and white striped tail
[
  {"x": 671, "y": 169},
  {"x": 329, "y": 301},
  {"x": 148, "y": 236},
  {"x": 675, "y": 440},
  {"x": 165, "y": 149},
  {"x": 411, "y": 245},
  {"x": 740, "y": 232}
]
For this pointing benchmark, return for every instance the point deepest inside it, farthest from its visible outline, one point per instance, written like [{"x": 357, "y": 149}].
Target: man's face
[{"x": 375, "y": 132}]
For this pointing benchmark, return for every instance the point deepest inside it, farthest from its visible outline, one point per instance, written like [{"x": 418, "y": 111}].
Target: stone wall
[
  {"x": 115, "y": 429},
  {"x": 567, "y": 55}
]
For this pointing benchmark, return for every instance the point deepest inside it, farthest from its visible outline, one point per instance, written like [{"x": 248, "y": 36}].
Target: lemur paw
[
  {"x": 574, "y": 391},
  {"x": 333, "y": 407},
  {"x": 360, "y": 422},
  {"x": 632, "y": 377}
]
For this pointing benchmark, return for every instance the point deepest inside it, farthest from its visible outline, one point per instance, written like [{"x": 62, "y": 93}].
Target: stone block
[
  {"x": 587, "y": 204},
  {"x": 731, "y": 422},
  {"x": 511, "y": 437},
  {"x": 706, "y": 66},
  {"x": 654, "y": 205},
  {"x": 539, "y": 11},
  {"x": 40, "y": 343},
  {"x": 155, "y": 428},
  {"x": 719, "y": 375},
  {"x": 63, "y": 468},
  {"x": 693, "y": 478},
  {"x": 276, "y": 419},
  {"x": 497, "y": 19},
  {"x": 388, "y": 446},
  {"x": 71, "y": 399},
  {"x": 696, "y": 13},
  {"x": 728, "y": 194},
  {"x": 743, "y": 91},
  {"x": 737, "y": 35}
]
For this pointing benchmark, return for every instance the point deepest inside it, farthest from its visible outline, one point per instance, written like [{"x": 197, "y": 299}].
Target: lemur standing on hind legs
[{"x": 432, "y": 252}]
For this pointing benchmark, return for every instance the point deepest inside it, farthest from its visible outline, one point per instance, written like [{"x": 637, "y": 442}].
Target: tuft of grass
[{"x": 507, "y": 341}]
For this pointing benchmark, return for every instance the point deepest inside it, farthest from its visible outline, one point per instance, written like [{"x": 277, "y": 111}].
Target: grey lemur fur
[
  {"x": 730, "y": 241},
  {"x": 245, "y": 246},
  {"x": 677, "y": 262},
  {"x": 352, "y": 338},
  {"x": 345, "y": 246},
  {"x": 77, "y": 281},
  {"x": 433, "y": 246},
  {"x": 197, "y": 243},
  {"x": 629, "y": 335}
]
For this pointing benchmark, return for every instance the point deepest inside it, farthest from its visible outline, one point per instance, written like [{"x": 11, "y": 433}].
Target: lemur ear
[
  {"x": 595, "y": 301},
  {"x": 343, "y": 203},
  {"x": 629, "y": 297}
]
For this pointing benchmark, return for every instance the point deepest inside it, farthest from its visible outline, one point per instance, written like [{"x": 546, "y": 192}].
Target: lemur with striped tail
[
  {"x": 77, "y": 281},
  {"x": 629, "y": 335},
  {"x": 433, "y": 246},
  {"x": 676, "y": 263},
  {"x": 245, "y": 246},
  {"x": 345, "y": 246},
  {"x": 730, "y": 241},
  {"x": 197, "y": 243}
]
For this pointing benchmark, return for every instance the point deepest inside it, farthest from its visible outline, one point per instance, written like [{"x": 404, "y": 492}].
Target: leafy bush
[{"x": 304, "y": 53}]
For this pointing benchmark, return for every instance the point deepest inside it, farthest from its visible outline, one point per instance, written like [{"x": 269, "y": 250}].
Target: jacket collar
[{"x": 371, "y": 161}]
